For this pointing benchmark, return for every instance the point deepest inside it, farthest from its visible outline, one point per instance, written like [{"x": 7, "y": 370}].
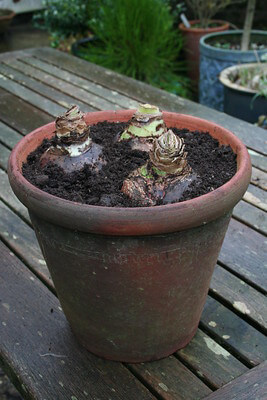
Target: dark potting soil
[
  {"x": 227, "y": 45},
  {"x": 213, "y": 164}
]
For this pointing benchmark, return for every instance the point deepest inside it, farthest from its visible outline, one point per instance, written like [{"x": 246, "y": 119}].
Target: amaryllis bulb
[
  {"x": 147, "y": 122},
  {"x": 74, "y": 147},
  {"x": 168, "y": 154}
]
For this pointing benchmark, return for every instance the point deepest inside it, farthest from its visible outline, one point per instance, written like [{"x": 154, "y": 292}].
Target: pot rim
[
  {"x": 223, "y": 25},
  {"x": 224, "y": 76},
  {"x": 8, "y": 16},
  {"x": 204, "y": 44},
  {"x": 139, "y": 220}
]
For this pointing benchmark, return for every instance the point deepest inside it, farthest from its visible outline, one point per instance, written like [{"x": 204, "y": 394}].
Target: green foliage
[
  {"x": 62, "y": 18},
  {"x": 137, "y": 38}
]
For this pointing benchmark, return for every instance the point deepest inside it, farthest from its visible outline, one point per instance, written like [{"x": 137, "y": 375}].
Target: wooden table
[{"x": 225, "y": 360}]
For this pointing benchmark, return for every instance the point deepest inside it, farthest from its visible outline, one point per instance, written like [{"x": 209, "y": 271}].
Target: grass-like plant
[{"x": 137, "y": 38}]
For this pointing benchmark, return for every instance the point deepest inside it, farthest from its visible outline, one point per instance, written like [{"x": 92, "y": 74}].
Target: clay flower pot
[
  {"x": 240, "y": 101},
  {"x": 191, "y": 43},
  {"x": 6, "y": 17},
  {"x": 132, "y": 282}
]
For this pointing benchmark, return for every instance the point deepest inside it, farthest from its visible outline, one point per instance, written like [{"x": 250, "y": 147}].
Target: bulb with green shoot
[
  {"x": 167, "y": 166},
  {"x": 73, "y": 147},
  {"x": 146, "y": 124}
]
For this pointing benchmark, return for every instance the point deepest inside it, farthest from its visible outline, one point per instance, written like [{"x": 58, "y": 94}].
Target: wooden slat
[
  {"x": 8, "y": 136},
  {"x": 244, "y": 252},
  {"x": 31, "y": 97},
  {"x": 258, "y": 160},
  {"x": 171, "y": 380},
  {"x": 252, "y": 136},
  {"x": 40, "y": 351},
  {"x": 7, "y": 195},
  {"x": 210, "y": 361},
  {"x": 251, "y": 216},
  {"x": 22, "y": 241},
  {"x": 259, "y": 178},
  {"x": 85, "y": 95},
  {"x": 233, "y": 332},
  {"x": 56, "y": 96},
  {"x": 4, "y": 154},
  {"x": 250, "y": 386},
  {"x": 52, "y": 72},
  {"x": 240, "y": 296},
  {"x": 20, "y": 115},
  {"x": 256, "y": 196}
]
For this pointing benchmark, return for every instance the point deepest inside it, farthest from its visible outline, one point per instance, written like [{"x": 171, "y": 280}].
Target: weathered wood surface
[
  {"x": 48, "y": 362},
  {"x": 244, "y": 252},
  {"x": 210, "y": 361},
  {"x": 249, "y": 134},
  {"x": 233, "y": 332},
  {"x": 34, "y": 86},
  {"x": 250, "y": 386},
  {"x": 20, "y": 115},
  {"x": 251, "y": 216},
  {"x": 237, "y": 294}
]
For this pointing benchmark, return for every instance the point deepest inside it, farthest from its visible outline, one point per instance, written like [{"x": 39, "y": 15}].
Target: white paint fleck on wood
[
  {"x": 238, "y": 305},
  {"x": 163, "y": 386},
  {"x": 216, "y": 348}
]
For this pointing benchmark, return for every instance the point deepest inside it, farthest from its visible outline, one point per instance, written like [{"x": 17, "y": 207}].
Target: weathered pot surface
[
  {"x": 192, "y": 37},
  {"x": 132, "y": 281}
]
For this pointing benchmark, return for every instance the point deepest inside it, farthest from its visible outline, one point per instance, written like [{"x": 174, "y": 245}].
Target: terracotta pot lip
[
  {"x": 239, "y": 182},
  {"x": 8, "y": 16},
  {"x": 224, "y": 76},
  {"x": 238, "y": 32},
  {"x": 223, "y": 25}
]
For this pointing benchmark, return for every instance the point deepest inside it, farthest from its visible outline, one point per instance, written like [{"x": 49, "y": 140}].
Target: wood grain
[
  {"x": 235, "y": 292},
  {"x": 244, "y": 252},
  {"x": 252, "y": 136},
  {"x": 40, "y": 351},
  {"x": 31, "y": 97},
  {"x": 63, "y": 99},
  {"x": 171, "y": 380},
  {"x": 20, "y": 115},
  {"x": 8, "y": 136},
  {"x": 52, "y": 72},
  {"x": 210, "y": 361},
  {"x": 259, "y": 178},
  {"x": 256, "y": 196},
  {"x": 250, "y": 386},
  {"x": 8, "y": 197},
  {"x": 251, "y": 216},
  {"x": 22, "y": 241},
  {"x": 233, "y": 332}
]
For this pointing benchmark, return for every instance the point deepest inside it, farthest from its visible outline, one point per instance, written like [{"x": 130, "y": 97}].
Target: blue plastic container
[{"x": 213, "y": 60}]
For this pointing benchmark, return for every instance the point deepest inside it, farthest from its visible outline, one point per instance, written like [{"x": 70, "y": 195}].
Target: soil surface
[
  {"x": 213, "y": 165},
  {"x": 224, "y": 44}
]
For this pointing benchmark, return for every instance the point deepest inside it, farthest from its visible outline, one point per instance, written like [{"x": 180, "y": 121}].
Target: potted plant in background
[
  {"x": 137, "y": 39},
  {"x": 203, "y": 24},
  {"x": 245, "y": 91},
  {"x": 221, "y": 50},
  {"x": 65, "y": 20},
  {"x": 6, "y": 17},
  {"x": 132, "y": 280}
]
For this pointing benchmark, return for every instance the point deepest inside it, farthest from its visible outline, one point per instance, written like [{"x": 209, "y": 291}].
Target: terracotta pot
[
  {"x": 132, "y": 281},
  {"x": 239, "y": 101},
  {"x": 191, "y": 44},
  {"x": 6, "y": 17}
]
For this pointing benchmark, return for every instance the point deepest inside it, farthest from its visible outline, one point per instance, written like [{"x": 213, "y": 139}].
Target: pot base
[{"x": 138, "y": 359}]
